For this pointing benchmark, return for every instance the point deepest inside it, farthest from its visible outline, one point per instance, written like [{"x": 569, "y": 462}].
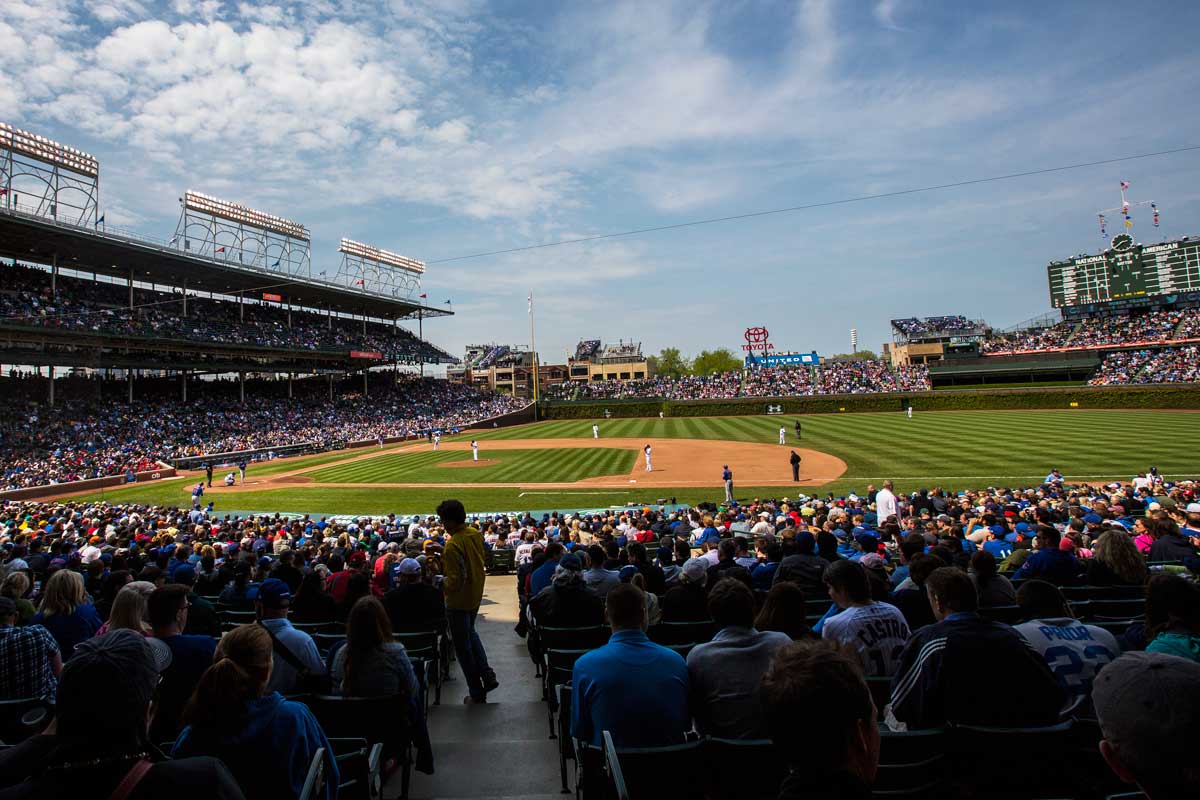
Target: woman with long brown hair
[
  {"x": 267, "y": 742},
  {"x": 371, "y": 663},
  {"x": 1116, "y": 562}
]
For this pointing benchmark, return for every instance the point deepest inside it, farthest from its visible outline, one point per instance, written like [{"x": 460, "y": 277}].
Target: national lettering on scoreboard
[{"x": 1126, "y": 270}]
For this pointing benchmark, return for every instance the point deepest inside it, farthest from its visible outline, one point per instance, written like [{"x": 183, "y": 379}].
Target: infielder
[
  {"x": 437, "y": 439},
  {"x": 782, "y": 435},
  {"x": 727, "y": 477},
  {"x": 474, "y": 450},
  {"x": 910, "y": 411},
  {"x": 595, "y": 431},
  {"x": 647, "y": 451}
]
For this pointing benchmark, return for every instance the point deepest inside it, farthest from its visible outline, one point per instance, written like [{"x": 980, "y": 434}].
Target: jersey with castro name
[
  {"x": 1074, "y": 652},
  {"x": 878, "y": 632}
]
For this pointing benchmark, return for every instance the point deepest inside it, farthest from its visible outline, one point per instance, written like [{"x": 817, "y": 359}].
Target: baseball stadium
[{"x": 268, "y": 529}]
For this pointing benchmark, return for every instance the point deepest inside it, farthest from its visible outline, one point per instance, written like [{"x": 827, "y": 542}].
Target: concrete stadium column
[
  {"x": 131, "y": 288},
  {"x": 183, "y": 376},
  {"x": 129, "y": 378},
  {"x": 331, "y": 386},
  {"x": 185, "y": 297},
  {"x": 289, "y": 308},
  {"x": 241, "y": 307},
  {"x": 364, "y": 383},
  {"x": 242, "y": 387},
  {"x": 364, "y": 323},
  {"x": 290, "y": 376},
  {"x": 50, "y": 374},
  {"x": 329, "y": 317},
  {"x": 54, "y": 274}
]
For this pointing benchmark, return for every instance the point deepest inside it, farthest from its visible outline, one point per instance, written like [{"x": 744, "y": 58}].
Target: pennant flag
[
  {"x": 531, "y": 302},
  {"x": 220, "y": 249},
  {"x": 424, "y": 296},
  {"x": 447, "y": 302},
  {"x": 3, "y": 192},
  {"x": 1154, "y": 208},
  {"x": 360, "y": 282},
  {"x": 1128, "y": 222},
  {"x": 99, "y": 220},
  {"x": 276, "y": 264},
  {"x": 1124, "y": 185}
]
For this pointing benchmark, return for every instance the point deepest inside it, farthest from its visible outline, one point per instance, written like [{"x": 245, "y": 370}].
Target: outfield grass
[
  {"x": 560, "y": 465},
  {"x": 955, "y": 450}
]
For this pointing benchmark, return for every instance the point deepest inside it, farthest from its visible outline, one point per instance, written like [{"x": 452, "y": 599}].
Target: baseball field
[{"x": 561, "y": 465}]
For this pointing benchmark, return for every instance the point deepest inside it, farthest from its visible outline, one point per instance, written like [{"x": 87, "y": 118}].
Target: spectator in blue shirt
[
  {"x": 543, "y": 576},
  {"x": 631, "y": 687},
  {"x": 763, "y": 574},
  {"x": 167, "y": 608},
  {"x": 66, "y": 613},
  {"x": 267, "y": 742},
  {"x": 1048, "y": 562}
]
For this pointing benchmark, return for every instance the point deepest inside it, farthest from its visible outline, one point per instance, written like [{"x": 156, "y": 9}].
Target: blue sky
[{"x": 444, "y": 129}]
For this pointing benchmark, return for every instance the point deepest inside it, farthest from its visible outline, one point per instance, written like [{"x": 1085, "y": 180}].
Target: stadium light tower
[
  {"x": 373, "y": 269},
  {"x": 241, "y": 235},
  {"x": 40, "y": 176},
  {"x": 854, "y": 340}
]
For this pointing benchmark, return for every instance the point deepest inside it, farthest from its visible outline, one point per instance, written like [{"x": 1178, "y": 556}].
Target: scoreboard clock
[{"x": 1126, "y": 270}]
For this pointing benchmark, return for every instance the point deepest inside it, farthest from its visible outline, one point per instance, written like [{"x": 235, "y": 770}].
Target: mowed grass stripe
[{"x": 515, "y": 466}]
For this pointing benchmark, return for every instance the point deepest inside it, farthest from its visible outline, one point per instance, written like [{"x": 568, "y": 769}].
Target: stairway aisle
[{"x": 497, "y": 750}]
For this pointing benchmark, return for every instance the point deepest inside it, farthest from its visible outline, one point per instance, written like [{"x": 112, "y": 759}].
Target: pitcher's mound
[{"x": 483, "y": 462}]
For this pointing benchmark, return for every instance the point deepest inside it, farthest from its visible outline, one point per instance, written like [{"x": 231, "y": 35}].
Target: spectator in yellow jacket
[{"x": 462, "y": 563}]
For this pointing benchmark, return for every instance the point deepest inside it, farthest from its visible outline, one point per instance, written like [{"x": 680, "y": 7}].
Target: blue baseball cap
[{"x": 274, "y": 593}]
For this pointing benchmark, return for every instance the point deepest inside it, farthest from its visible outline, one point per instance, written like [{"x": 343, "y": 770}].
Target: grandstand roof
[{"x": 31, "y": 238}]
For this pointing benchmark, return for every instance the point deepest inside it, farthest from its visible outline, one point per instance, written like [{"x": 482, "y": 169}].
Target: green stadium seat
[
  {"x": 728, "y": 776},
  {"x": 653, "y": 773}
]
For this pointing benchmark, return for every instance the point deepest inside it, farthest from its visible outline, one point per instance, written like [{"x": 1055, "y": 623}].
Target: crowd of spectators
[
  {"x": 1152, "y": 326},
  {"x": 914, "y": 327},
  {"x": 26, "y": 300},
  {"x": 861, "y": 376},
  {"x": 141, "y": 590},
  {"x": 911, "y": 580},
  {"x": 92, "y": 438},
  {"x": 917, "y": 585},
  {"x": 1165, "y": 365}
]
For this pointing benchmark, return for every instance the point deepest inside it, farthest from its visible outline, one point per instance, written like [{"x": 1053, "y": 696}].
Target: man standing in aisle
[
  {"x": 647, "y": 451},
  {"x": 885, "y": 504},
  {"x": 595, "y": 431},
  {"x": 782, "y": 435},
  {"x": 727, "y": 477},
  {"x": 462, "y": 562},
  {"x": 474, "y": 450},
  {"x": 795, "y": 462}
]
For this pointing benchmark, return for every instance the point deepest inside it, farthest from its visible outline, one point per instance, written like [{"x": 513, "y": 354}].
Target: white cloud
[{"x": 885, "y": 13}]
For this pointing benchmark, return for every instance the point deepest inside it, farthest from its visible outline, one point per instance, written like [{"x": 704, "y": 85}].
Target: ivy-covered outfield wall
[{"x": 1181, "y": 397}]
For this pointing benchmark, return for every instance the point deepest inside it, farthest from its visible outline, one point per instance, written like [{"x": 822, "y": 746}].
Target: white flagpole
[{"x": 533, "y": 347}]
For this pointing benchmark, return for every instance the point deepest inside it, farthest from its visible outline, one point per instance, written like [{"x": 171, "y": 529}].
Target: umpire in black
[{"x": 795, "y": 461}]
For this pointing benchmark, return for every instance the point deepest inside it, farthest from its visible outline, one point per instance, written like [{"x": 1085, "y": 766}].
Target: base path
[{"x": 676, "y": 462}]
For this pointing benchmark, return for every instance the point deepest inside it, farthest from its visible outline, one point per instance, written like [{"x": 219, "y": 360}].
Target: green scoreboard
[{"x": 1126, "y": 270}]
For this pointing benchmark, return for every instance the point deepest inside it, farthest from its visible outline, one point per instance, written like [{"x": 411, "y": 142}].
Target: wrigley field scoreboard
[{"x": 1126, "y": 270}]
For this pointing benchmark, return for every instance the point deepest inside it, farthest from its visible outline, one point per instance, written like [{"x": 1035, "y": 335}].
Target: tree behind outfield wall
[
  {"x": 710, "y": 361},
  {"x": 862, "y": 355},
  {"x": 670, "y": 363}
]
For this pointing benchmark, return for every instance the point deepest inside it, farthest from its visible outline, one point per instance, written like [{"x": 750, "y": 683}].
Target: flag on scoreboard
[
  {"x": 447, "y": 302},
  {"x": 1124, "y": 185},
  {"x": 276, "y": 264},
  {"x": 360, "y": 282},
  {"x": 1128, "y": 222},
  {"x": 99, "y": 220},
  {"x": 220, "y": 249},
  {"x": 424, "y": 296}
]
